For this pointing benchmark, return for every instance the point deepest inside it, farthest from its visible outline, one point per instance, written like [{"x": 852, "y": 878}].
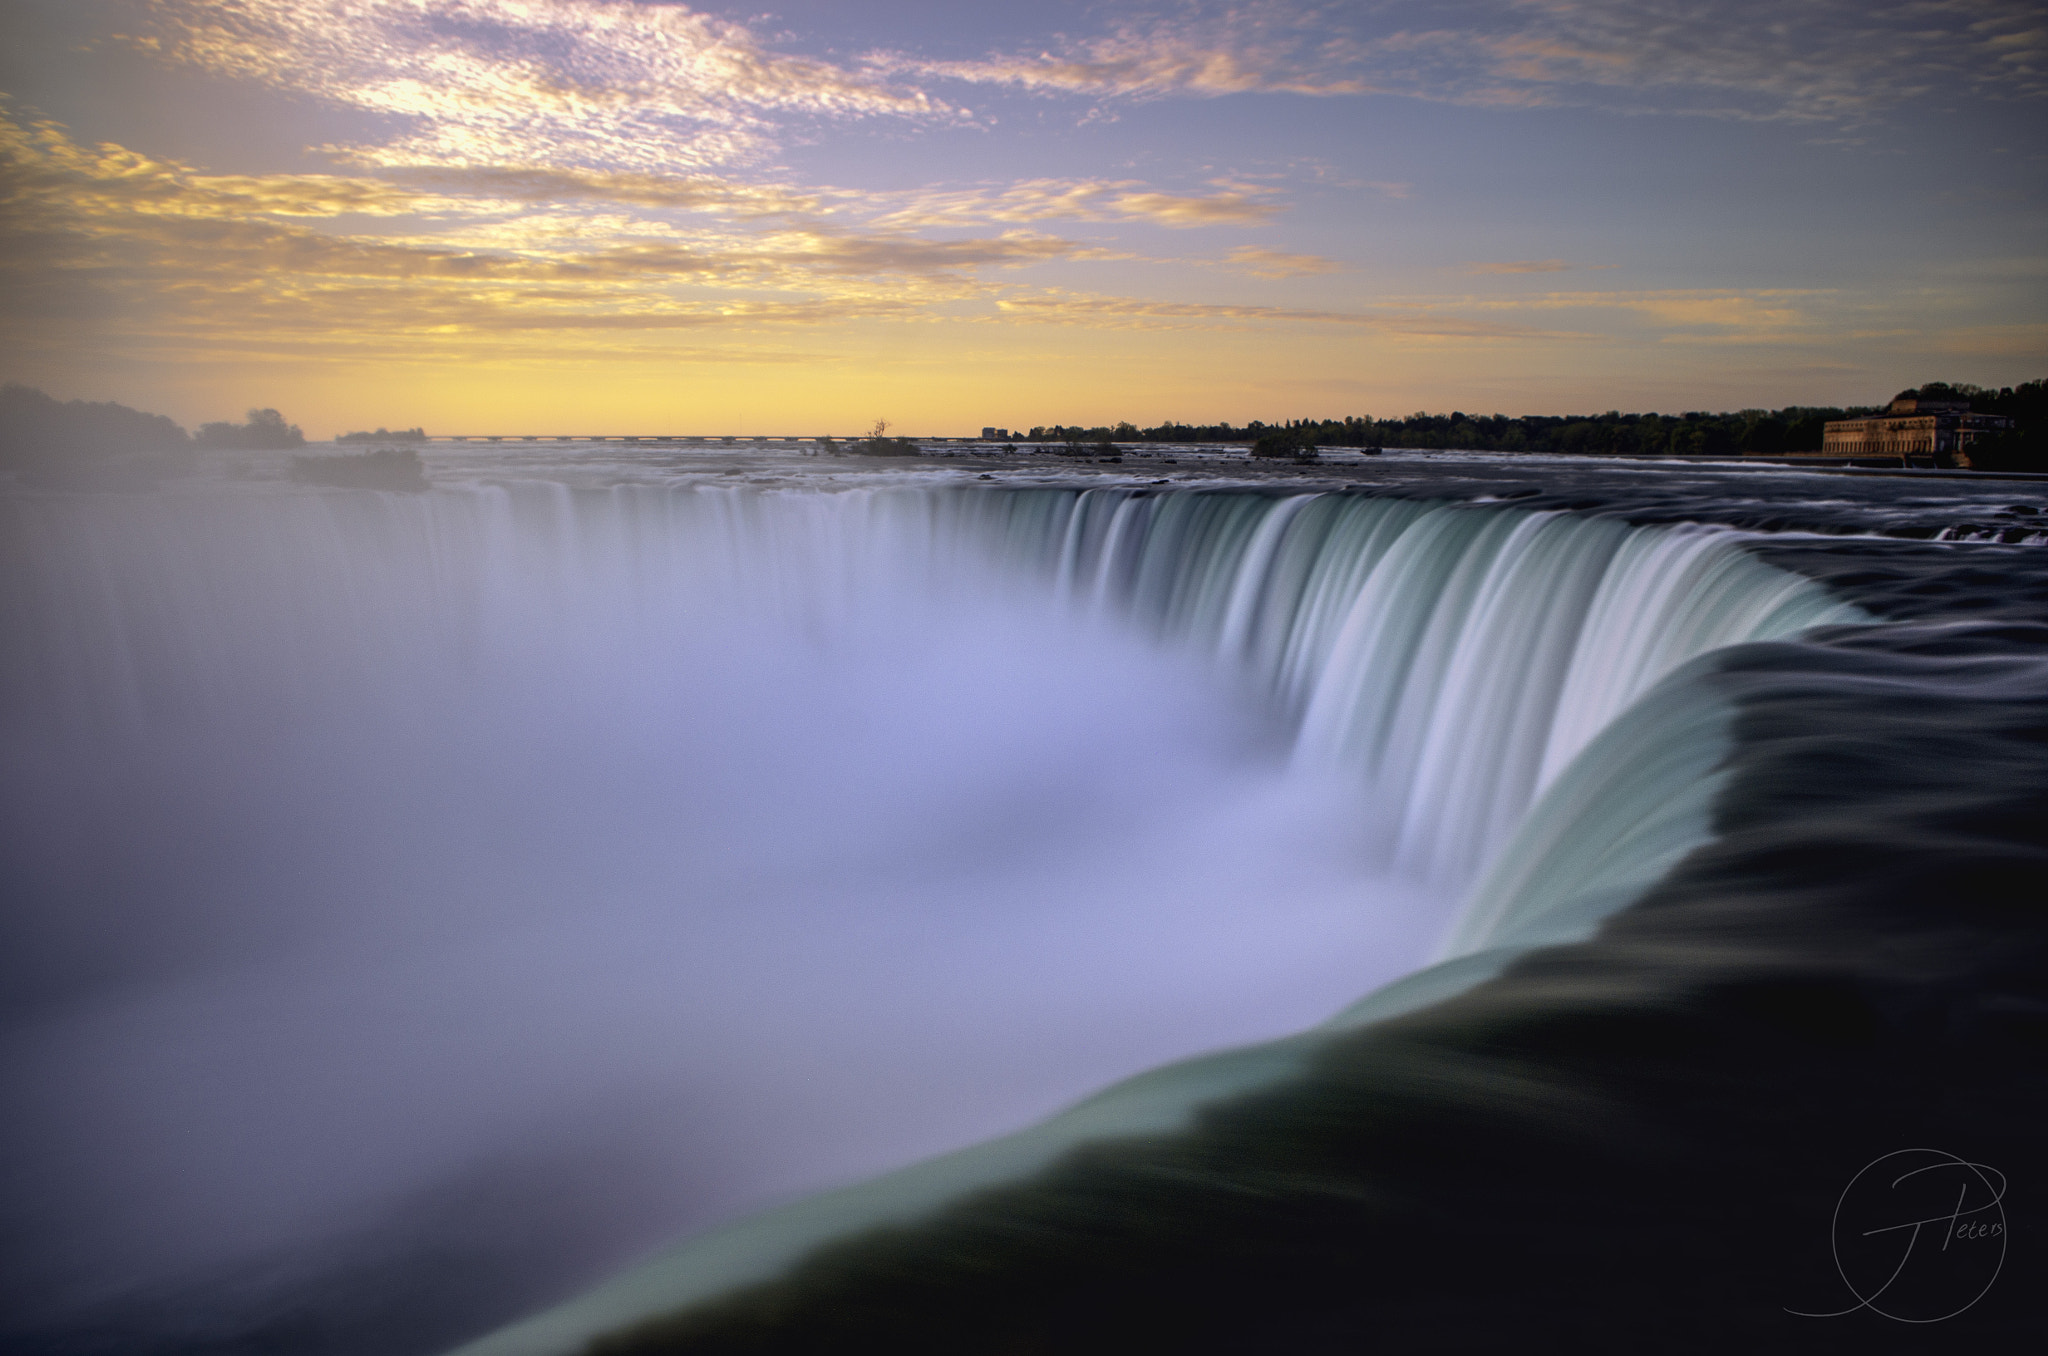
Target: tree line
[
  {"x": 1795, "y": 428},
  {"x": 38, "y": 433},
  {"x": 2025, "y": 446},
  {"x": 44, "y": 440}
]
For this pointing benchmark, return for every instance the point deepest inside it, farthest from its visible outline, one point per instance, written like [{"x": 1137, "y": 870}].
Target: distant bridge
[{"x": 689, "y": 439}]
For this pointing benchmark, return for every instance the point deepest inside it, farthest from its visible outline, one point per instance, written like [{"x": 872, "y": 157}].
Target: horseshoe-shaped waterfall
[{"x": 410, "y": 873}]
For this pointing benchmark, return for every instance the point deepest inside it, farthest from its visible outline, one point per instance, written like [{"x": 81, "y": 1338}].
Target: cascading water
[
  {"x": 367, "y": 841},
  {"x": 1458, "y": 657}
]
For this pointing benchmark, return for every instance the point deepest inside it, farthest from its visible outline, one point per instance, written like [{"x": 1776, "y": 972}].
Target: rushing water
[{"x": 392, "y": 866}]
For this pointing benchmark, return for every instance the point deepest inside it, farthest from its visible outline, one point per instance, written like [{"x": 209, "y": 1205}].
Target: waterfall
[
  {"x": 1457, "y": 656},
  {"x": 356, "y": 758}
]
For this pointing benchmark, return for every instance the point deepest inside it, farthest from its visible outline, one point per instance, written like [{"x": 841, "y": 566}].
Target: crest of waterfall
[{"x": 1457, "y": 656}]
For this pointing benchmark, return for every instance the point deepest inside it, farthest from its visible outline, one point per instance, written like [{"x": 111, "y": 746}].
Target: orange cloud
[
  {"x": 1264, "y": 263},
  {"x": 1107, "y": 200},
  {"x": 117, "y": 249}
]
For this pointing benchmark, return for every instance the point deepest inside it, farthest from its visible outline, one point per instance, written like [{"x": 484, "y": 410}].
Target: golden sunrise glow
[{"x": 603, "y": 216}]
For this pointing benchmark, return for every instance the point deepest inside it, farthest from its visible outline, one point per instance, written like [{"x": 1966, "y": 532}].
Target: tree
[
  {"x": 878, "y": 444},
  {"x": 2021, "y": 449},
  {"x": 266, "y": 431},
  {"x": 1293, "y": 443},
  {"x": 47, "y": 441},
  {"x": 382, "y": 435}
]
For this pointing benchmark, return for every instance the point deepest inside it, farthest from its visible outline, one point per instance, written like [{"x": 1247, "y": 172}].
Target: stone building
[{"x": 1917, "y": 432}]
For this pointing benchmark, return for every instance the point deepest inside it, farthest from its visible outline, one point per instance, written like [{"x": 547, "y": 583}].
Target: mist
[{"x": 488, "y": 886}]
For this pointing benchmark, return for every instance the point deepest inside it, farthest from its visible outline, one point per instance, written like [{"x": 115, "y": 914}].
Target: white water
[
  {"x": 1456, "y": 657},
  {"x": 756, "y": 840}
]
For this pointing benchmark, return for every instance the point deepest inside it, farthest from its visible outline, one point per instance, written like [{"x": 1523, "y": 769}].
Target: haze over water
[{"x": 372, "y": 848}]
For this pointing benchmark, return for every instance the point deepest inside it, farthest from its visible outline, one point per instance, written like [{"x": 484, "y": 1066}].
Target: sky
[{"x": 634, "y": 216}]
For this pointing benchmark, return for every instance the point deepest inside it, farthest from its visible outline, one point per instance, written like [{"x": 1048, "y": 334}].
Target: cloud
[
  {"x": 1138, "y": 313},
  {"x": 131, "y": 253},
  {"x": 789, "y": 256},
  {"x": 122, "y": 251},
  {"x": 1132, "y": 65},
  {"x": 1708, "y": 315},
  {"x": 2025, "y": 340},
  {"x": 42, "y": 158},
  {"x": 1841, "y": 60},
  {"x": 1078, "y": 200},
  {"x": 41, "y": 163},
  {"x": 1820, "y": 59},
  {"x": 1264, "y": 263},
  {"x": 1199, "y": 50},
  {"x": 1520, "y": 266},
  {"x": 1702, "y": 315},
  {"x": 576, "y": 83},
  {"x": 528, "y": 185},
  {"x": 1216, "y": 209}
]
